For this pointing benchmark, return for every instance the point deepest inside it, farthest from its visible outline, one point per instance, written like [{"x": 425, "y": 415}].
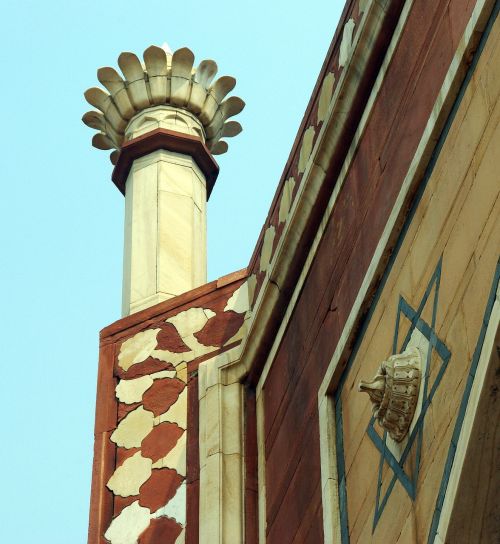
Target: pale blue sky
[{"x": 61, "y": 218}]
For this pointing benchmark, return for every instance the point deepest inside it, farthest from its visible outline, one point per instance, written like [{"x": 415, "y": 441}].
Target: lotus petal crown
[{"x": 164, "y": 79}]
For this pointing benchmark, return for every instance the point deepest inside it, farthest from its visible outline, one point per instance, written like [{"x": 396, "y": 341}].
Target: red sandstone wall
[{"x": 400, "y": 113}]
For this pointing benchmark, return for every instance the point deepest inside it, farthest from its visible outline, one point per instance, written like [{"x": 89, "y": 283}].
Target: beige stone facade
[{"x": 455, "y": 227}]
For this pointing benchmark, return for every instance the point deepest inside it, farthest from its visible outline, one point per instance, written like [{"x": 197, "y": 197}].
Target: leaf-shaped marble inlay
[
  {"x": 305, "y": 149},
  {"x": 325, "y": 96},
  {"x": 286, "y": 199},
  {"x": 176, "y": 458},
  {"x": 238, "y": 301},
  {"x": 128, "y": 525},
  {"x": 177, "y": 413},
  {"x": 267, "y": 248},
  {"x": 137, "y": 348},
  {"x": 175, "y": 508},
  {"x": 133, "y": 428},
  {"x": 128, "y": 477}
]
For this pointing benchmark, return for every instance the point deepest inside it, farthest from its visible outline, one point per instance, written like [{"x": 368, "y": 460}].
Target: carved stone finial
[
  {"x": 394, "y": 392},
  {"x": 164, "y": 91}
]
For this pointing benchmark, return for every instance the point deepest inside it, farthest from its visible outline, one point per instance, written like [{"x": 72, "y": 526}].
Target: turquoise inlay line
[
  {"x": 414, "y": 315},
  {"x": 339, "y": 443},
  {"x": 389, "y": 458},
  {"x": 406, "y": 225},
  {"x": 463, "y": 407},
  {"x": 475, "y": 360},
  {"x": 433, "y": 343},
  {"x": 416, "y": 436},
  {"x": 398, "y": 317},
  {"x": 380, "y": 467}
]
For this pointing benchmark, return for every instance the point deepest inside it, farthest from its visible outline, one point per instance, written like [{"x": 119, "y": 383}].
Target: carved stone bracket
[{"x": 394, "y": 392}]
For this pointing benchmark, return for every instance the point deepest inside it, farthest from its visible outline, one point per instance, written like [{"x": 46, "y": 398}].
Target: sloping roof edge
[{"x": 332, "y": 116}]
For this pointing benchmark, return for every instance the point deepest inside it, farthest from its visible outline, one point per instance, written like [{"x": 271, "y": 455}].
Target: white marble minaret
[{"x": 164, "y": 119}]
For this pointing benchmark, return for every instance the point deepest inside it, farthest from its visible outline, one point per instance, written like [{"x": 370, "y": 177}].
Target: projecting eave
[{"x": 313, "y": 168}]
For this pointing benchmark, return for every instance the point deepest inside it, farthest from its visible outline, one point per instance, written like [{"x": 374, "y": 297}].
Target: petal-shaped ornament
[
  {"x": 97, "y": 97},
  {"x": 222, "y": 87},
  {"x": 155, "y": 59},
  {"x": 132, "y": 69},
  {"x": 214, "y": 129},
  {"x": 103, "y": 102},
  {"x": 182, "y": 66},
  {"x": 101, "y": 141},
  {"x": 232, "y": 106},
  {"x": 208, "y": 110},
  {"x": 231, "y": 129},
  {"x": 197, "y": 97},
  {"x": 112, "y": 80},
  {"x": 212, "y": 142},
  {"x": 96, "y": 120},
  {"x": 220, "y": 148},
  {"x": 206, "y": 72}
]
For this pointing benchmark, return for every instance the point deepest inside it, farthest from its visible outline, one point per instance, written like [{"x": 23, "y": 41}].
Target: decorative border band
[{"x": 169, "y": 140}]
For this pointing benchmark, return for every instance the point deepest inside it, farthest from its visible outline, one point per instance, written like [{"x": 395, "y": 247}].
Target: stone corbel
[{"x": 394, "y": 392}]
